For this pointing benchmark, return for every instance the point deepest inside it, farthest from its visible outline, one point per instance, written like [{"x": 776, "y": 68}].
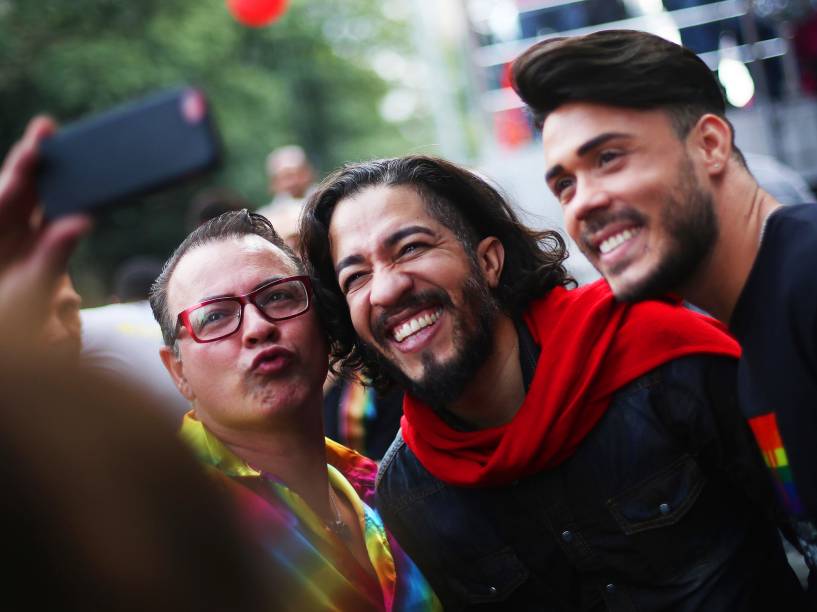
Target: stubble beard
[
  {"x": 442, "y": 383},
  {"x": 691, "y": 227}
]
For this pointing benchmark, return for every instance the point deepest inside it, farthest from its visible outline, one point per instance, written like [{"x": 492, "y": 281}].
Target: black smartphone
[{"x": 131, "y": 150}]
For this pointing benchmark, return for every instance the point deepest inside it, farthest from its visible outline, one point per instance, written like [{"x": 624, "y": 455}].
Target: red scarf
[{"x": 591, "y": 346}]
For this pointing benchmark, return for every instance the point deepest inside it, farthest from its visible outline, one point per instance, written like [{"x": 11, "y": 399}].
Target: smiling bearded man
[
  {"x": 443, "y": 382},
  {"x": 687, "y": 215},
  {"x": 624, "y": 113},
  {"x": 559, "y": 450}
]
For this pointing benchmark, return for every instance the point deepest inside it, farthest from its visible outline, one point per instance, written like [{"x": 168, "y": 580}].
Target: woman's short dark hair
[
  {"x": 461, "y": 201},
  {"x": 623, "y": 68}
]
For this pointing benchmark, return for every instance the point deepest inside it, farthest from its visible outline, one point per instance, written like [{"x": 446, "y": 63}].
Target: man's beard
[
  {"x": 473, "y": 337},
  {"x": 689, "y": 221}
]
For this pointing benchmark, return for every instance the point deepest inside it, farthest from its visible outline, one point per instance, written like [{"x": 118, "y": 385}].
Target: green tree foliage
[{"x": 304, "y": 79}]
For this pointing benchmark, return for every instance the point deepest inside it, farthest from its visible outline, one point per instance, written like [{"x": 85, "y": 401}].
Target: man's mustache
[
  {"x": 597, "y": 221},
  {"x": 380, "y": 326}
]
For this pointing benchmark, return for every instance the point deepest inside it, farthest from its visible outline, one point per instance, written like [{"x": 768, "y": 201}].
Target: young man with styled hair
[{"x": 658, "y": 197}]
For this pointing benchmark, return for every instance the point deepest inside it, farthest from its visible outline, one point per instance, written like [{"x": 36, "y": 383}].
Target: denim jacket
[{"x": 664, "y": 506}]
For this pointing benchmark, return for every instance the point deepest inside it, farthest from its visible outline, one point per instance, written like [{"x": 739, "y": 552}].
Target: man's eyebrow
[
  {"x": 584, "y": 149},
  {"x": 598, "y": 141},
  {"x": 554, "y": 171},
  {"x": 406, "y": 231},
  {"x": 257, "y": 286},
  {"x": 348, "y": 261},
  {"x": 389, "y": 242}
]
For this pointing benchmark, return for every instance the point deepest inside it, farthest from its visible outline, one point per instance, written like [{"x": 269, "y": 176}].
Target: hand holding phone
[
  {"x": 32, "y": 255},
  {"x": 134, "y": 149}
]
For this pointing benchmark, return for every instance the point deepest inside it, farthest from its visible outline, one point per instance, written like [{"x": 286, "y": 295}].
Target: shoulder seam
[{"x": 393, "y": 449}]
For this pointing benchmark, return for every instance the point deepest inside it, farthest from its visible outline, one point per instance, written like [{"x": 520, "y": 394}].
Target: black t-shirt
[{"x": 775, "y": 321}]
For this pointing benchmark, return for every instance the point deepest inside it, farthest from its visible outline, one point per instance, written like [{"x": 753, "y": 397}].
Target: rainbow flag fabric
[{"x": 768, "y": 438}]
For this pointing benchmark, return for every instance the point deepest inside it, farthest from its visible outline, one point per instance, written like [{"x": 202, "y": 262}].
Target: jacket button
[
  {"x": 610, "y": 588},
  {"x": 567, "y": 535},
  {"x": 663, "y": 508},
  {"x": 491, "y": 591}
]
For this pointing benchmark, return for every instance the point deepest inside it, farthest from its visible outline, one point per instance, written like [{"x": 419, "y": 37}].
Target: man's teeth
[
  {"x": 414, "y": 325},
  {"x": 613, "y": 241}
]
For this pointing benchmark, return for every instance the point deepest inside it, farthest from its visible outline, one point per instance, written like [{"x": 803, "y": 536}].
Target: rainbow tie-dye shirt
[{"x": 316, "y": 569}]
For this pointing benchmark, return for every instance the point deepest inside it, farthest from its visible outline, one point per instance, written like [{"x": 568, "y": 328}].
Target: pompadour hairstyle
[
  {"x": 623, "y": 68},
  {"x": 232, "y": 224},
  {"x": 461, "y": 201}
]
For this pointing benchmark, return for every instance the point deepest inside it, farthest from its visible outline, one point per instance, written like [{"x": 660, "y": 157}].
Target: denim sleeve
[{"x": 391, "y": 495}]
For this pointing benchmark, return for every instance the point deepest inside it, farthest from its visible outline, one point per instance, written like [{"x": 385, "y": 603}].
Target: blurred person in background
[
  {"x": 640, "y": 154},
  {"x": 361, "y": 417},
  {"x": 211, "y": 202},
  {"x": 290, "y": 175},
  {"x": 134, "y": 277},
  {"x": 245, "y": 347},
  {"x": 780, "y": 181},
  {"x": 284, "y": 218},
  {"x": 102, "y": 506},
  {"x": 62, "y": 331}
]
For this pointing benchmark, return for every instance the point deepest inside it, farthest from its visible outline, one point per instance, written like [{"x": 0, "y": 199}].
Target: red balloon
[{"x": 256, "y": 13}]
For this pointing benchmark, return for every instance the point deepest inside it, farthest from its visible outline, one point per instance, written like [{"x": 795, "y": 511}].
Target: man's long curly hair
[{"x": 457, "y": 198}]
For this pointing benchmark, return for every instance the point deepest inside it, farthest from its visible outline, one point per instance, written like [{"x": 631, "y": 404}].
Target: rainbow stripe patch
[
  {"x": 355, "y": 411},
  {"x": 770, "y": 442}
]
